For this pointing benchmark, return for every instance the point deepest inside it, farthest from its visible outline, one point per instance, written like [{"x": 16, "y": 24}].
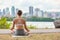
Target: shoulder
[
  {"x": 14, "y": 19},
  {"x": 23, "y": 20}
]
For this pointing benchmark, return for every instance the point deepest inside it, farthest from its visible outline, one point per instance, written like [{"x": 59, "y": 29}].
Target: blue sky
[{"x": 48, "y": 5}]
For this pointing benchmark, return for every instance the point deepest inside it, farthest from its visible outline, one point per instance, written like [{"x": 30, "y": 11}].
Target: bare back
[{"x": 19, "y": 22}]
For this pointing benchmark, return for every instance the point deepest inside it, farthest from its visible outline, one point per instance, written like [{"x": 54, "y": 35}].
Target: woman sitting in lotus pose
[{"x": 20, "y": 25}]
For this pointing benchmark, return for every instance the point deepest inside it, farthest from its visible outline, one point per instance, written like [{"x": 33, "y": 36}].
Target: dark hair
[{"x": 19, "y": 12}]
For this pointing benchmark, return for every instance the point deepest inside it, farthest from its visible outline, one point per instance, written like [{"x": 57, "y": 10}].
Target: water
[{"x": 41, "y": 24}]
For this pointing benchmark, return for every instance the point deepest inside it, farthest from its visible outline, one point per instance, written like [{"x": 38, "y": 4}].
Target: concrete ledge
[{"x": 7, "y": 31}]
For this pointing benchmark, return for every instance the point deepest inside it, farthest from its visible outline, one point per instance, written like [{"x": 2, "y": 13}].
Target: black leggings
[{"x": 20, "y": 32}]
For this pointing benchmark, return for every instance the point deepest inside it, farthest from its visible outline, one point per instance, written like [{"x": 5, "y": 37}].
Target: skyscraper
[
  {"x": 17, "y": 9},
  {"x": 0, "y": 13},
  {"x": 37, "y": 11},
  {"x": 49, "y": 15},
  {"x": 57, "y": 14},
  {"x": 13, "y": 11},
  {"x": 31, "y": 10},
  {"x": 45, "y": 14},
  {"x": 7, "y": 10},
  {"x": 42, "y": 13},
  {"x": 4, "y": 12}
]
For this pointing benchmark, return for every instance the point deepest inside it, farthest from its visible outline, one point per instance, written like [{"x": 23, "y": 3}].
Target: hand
[
  {"x": 28, "y": 32},
  {"x": 12, "y": 31}
]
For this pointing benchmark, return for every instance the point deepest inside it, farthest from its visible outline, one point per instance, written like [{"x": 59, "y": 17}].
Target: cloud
[
  {"x": 5, "y": 3},
  {"x": 24, "y": 4}
]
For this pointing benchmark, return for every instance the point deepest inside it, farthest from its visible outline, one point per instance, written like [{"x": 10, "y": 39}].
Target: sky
[{"x": 46, "y": 5}]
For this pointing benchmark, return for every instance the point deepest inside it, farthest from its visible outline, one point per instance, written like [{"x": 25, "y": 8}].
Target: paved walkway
[
  {"x": 7, "y": 31},
  {"x": 45, "y": 30}
]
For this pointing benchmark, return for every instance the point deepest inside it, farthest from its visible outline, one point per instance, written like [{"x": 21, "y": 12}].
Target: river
[{"x": 41, "y": 24}]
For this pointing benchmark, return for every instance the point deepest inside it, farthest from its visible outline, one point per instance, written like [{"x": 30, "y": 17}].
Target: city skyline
[
  {"x": 46, "y": 5},
  {"x": 31, "y": 12}
]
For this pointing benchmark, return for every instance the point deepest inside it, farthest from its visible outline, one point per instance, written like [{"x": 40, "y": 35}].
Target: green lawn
[{"x": 42, "y": 36}]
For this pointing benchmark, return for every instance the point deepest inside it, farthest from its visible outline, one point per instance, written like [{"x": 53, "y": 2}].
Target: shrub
[
  {"x": 4, "y": 24},
  {"x": 32, "y": 27}
]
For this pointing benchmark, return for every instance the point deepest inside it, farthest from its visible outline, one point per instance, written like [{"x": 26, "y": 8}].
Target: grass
[{"x": 41, "y": 36}]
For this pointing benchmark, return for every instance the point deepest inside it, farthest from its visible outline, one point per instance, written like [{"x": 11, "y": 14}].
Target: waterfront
[{"x": 41, "y": 24}]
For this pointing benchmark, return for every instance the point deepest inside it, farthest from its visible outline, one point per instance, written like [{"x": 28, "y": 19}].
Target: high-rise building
[
  {"x": 42, "y": 13},
  {"x": 4, "y": 12},
  {"x": 25, "y": 14},
  {"x": 49, "y": 15},
  {"x": 46, "y": 14},
  {"x": 0, "y": 13},
  {"x": 37, "y": 11},
  {"x": 7, "y": 10},
  {"x": 17, "y": 10},
  {"x": 13, "y": 11},
  {"x": 31, "y": 10},
  {"x": 57, "y": 14}
]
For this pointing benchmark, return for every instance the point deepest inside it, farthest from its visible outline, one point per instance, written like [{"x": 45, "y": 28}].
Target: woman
[{"x": 20, "y": 24}]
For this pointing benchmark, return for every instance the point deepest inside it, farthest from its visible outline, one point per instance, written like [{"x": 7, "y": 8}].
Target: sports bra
[{"x": 19, "y": 23}]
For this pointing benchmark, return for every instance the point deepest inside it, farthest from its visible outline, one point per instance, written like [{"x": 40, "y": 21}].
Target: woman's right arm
[{"x": 13, "y": 25}]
